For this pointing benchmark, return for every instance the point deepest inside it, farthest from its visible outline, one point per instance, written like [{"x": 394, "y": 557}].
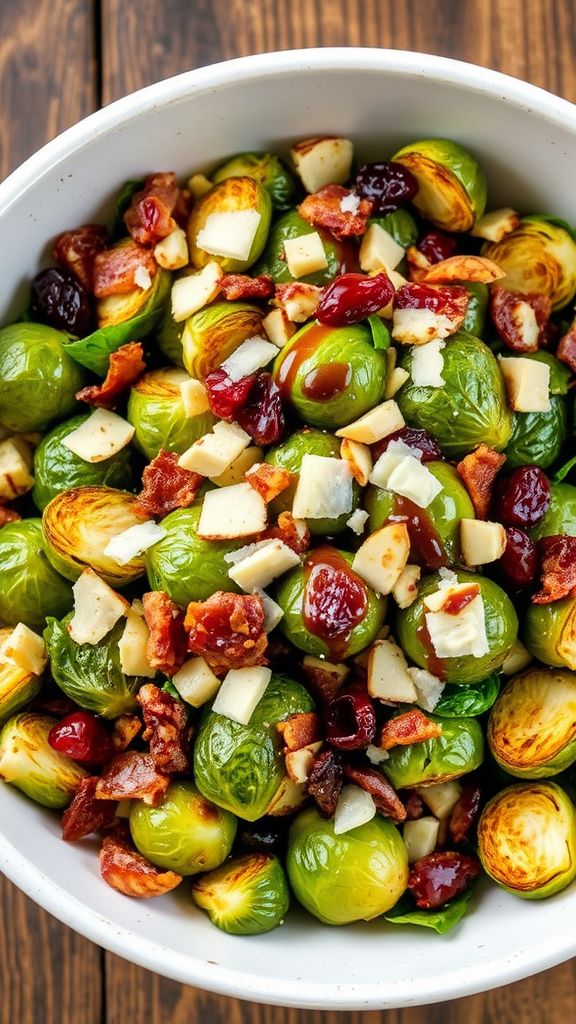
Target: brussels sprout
[
  {"x": 501, "y": 631},
  {"x": 30, "y": 588},
  {"x": 157, "y": 413},
  {"x": 39, "y": 380},
  {"x": 212, "y": 334},
  {"x": 183, "y": 565},
  {"x": 468, "y": 701},
  {"x": 538, "y": 437},
  {"x": 401, "y": 225},
  {"x": 91, "y": 674},
  {"x": 246, "y": 896},
  {"x": 230, "y": 196},
  {"x": 57, "y": 469},
  {"x": 538, "y": 257},
  {"x": 241, "y": 767},
  {"x": 80, "y": 523},
  {"x": 184, "y": 833},
  {"x": 355, "y": 876},
  {"x": 527, "y": 839},
  {"x": 451, "y": 186},
  {"x": 298, "y": 624},
  {"x": 560, "y": 375},
  {"x": 28, "y": 761},
  {"x": 340, "y": 255},
  {"x": 560, "y": 516},
  {"x": 471, "y": 407},
  {"x": 459, "y": 750},
  {"x": 17, "y": 686},
  {"x": 550, "y": 632},
  {"x": 475, "y": 318},
  {"x": 268, "y": 169},
  {"x": 434, "y": 531},
  {"x": 331, "y": 375},
  {"x": 169, "y": 339}
]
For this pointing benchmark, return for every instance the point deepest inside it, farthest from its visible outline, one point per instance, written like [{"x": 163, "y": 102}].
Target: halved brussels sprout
[
  {"x": 183, "y": 565},
  {"x": 532, "y": 726},
  {"x": 451, "y": 186},
  {"x": 79, "y": 524},
  {"x": 57, "y": 469},
  {"x": 28, "y": 761},
  {"x": 245, "y": 896},
  {"x": 268, "y": 169},
  {"x": 538, "y": 257},
  {"x": 550, "y": 632},
  {"x": 355, "y": 876},
  {"x": 331, "y": 375},
  {"x": 459, "y": 750},
  {"x": 470, "y": 409},
  {"x": 231, "y": 196},
  {"x": 241, "y": 767},
  {"x": 17, "y": 686},
  {"x": 475, "y": 318},
  {"x": 213, "y": 333},
  {"x": 400, "y": 224},
  {"x": 527, "y": 839},
  {"x": 185, "y": 833},
  {"x": 560, "y": 517},
  {"x": 39, "y": 380},
  {"x": 341, "y": 255},
  {"x": 30, "y": 588},
  {"x": 156, "y": 411}
]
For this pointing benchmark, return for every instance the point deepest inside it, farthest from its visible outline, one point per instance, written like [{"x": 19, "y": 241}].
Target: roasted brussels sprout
[
  {"x": 560, "y": 516},
  {"x": 401, "y": 225},
  {"x": 527, "y": 839},
  {"x": 538, "y": 437},
  {"x": 17, "y": 685},
  {"x": 184, "y": 566},
  {"x": 550, "y": 632},
  {"x": 268, "y": 169},
  {"x": 451, "y": 186},
  {"x": 169, "y": 339},
  {"x": 331, "y": 375},
  {"x": 30, "y": 589},
  {"x": 80, "y": 523},
  {"x": 238, "y": 195},
  {"x": 538, "y": 257},
  {"x": 212, "y": 334},
  {"x": 475, "y": 318},
  {"x": 157, "y": 413},
  {"x": 57, "y": 469},
  {"x": 241, "y": 767},
  {"x": 340, "y": 255},
  {"x": 245, "y": 896},
  {"x": 28, "y": 761},
  {"x": 185, "y": 833},
  {"x": 355, "y": 876},
  {"x": 471, "y": 407},
  {"x": 469, "y": 700},
  {"x": 39, "y": 380},
  {"x": 459, "y": 750}
]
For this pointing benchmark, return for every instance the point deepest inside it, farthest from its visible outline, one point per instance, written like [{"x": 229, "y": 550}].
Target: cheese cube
[
  {"x": 429, "y": 688},
  {"x": 395, "y": 380},
  {"x": 97, "y": 609},
  {"x": 420, "y": 837},
  {"x": 300, "y": 301},
  {"x": 322, "y": 161},
  {"x": 15, "y": 476},
  {"x": 237, "y": 470},
  {"x": 354, "y": 808},
  {"x": 379, "y": 250},
  {"x": 494, "y": 226},
  {"x": 194, "y": 397},
  {"x": 324, "y": 488},
  {"x": 382, "y": 557},
  {"x": 26, "y": 649},
  {"x": 102, "y": 435},
  {"x": 517, "y": 659},
  {"x": 270, "y": 560},
  {"x": 134, "y": 541},
  {"x": 132, "y": 647},
  {"x": 194, "y": 291},
  {"x": 384, "y": 419},
  {"x": 482, "y": 542},
  {"x": 305, "y": 254},
  {"x": 251, "y": 355},
  {"x": 357, "y": 521},
  {"x": 240, "y": 693},
  {"x": 457, "y": 636},
  {"x": 388, "y": 675},
  {"x": 279, "y": 329},
  {"x": 199, "y": 185},
  {"x": 171, "y": 253},
  {"x": 230, "y": 512},
  {"x": 405, "y": 590},
  {"x": 359, "y": 458},
  {"x": 527, "y": 384},
  {"x": 299, "y": 762},
  {"x": 273, "y": 613},
  {"x": 212, "y": 454},
  {"x": 230, "y": 233},
  {"x": 428, "y": 364},
  {"x": 411, "y": 479},
  {"x": 419, "y": 326},
  {"x": 196, "y": 682},
  {"x": 441, "y": 797}
]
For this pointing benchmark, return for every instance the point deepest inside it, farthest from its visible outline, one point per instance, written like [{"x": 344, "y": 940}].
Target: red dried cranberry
[
  {"x": 437, "y": 246},
  {"x": 450, "y": 299},
  {"x": 351, "y": 719},
  {"x": 335, "y": 600},
  {"x": 227, "y": 396},
  {"x": 440, "y": 877},
  {"x": 414, "y": 437},
  {"x": 519, "y": 563},
  {"x": 352, "y": 297},
  {"x": 59, "y": 300},
  {"x": 263, "y": 416},
  {"x": 523, "y": 497},
  {"x": 388, "y": 185},
  {"x": 82, "y": 737},
  {"x": 465, "y": 812}
]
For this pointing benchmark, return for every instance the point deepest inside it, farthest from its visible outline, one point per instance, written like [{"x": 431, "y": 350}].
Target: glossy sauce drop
[
  {"x": 335, "y": 599},
  {"x": 455, "y": 602},
  {"x": 426, "y": 547},
  {"x": 303, "y": 348},
  {"x": 327, "y": 381}
]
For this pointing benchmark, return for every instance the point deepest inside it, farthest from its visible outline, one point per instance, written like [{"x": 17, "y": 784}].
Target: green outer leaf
[
  {"x": 455, "y": 160},
  {"x": 475, "y": 318},
  {"x": 442, "y": 920},
  {"x": 538, "y": 437},
  {"x": 244, "y": 900},
  {"x": 468, "y": 701},
  {"x": 564, "y": 470},
  {"x": 457, "y": 751},
  {"x": 268, "y": 169},
  {"x": 561, "y": 514},
  {"x": 560, "y": 375},
  {"x": 380, "y": 333}
]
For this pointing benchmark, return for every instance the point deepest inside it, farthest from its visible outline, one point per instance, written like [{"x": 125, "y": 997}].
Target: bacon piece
[
  {"x": 132, "y": 775},
  {"x": 242, "y": 286},
  {"x": 166, "y": 647},
  {"x": 166, "y": 486},
  {"x": 130, "y": 873},
  {"x": 269, "y": 481},
  {"x": 325, "y": 781},
  {"x": 465, "y": 812},
  {"x": 324, "y": 210},
  {"x": 410, "y": 727},
  {"x": 558, "y": 568},
  {"x": 8, "y": 515},
  {"x": 299, "y": 730},
  {"x": 478, "y": 471},
  {"x": 440, "y": 877},
  {"x": 149, "y": 216},
  {"x": 227, "y": 630},
  {"x": 167, "y": 728},
  {"x": 125, "y": 366},
  {"x": 463, "y": 268},
  {"x": 77, "y": 249},
  {"x": 449, "y": 300},
  {"x": 414, "y": 806},
  {"x": 124, "y": 730},
  {"x": 86, "y": 814},
  {"x": 385, "y": 797},
  {"x": 509, "y": 316},
  {"x": 293, "y": 532},
  {"x": 114, "y": 269},
  {"x": 566, "y": 351}
]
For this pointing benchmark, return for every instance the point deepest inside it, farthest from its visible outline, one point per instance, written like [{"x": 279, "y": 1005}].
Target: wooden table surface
[{"x": 61, "y": 59}]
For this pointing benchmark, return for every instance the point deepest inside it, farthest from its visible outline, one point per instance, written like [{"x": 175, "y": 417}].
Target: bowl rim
[{"x": 109, "y": 933}]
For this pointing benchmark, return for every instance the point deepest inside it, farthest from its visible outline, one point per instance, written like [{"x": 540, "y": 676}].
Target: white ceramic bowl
[{"x": 526, "y": 141}]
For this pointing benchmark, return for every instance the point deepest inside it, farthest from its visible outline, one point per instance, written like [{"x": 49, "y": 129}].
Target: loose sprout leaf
[
  {"x": 380, "y": 333},
  {"x": 564, "y": 470},
  {"x": 441, "y": 920},
  {"x": 468, "y": 701}
]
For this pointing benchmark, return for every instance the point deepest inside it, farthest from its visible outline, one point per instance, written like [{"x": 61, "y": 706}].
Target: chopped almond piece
[
  {"x": 299, "y": 730},
  {"x": 405, "y": 590},
  {"x": 298, "y": 300},
  {"x": 359, "y": 458},
  {"x": 382, "y": 557},
  {"x": 388, "y": 677},
  {"x": 325, "y": 677},
  {"x": 279, "y": 327},
  {"x": 384, "y": 419},
  {"x": 269, "y": 480},
  {"x": 463, "y": 268},
  {"x": 299, "y": 762},
  {"x": 494, "y": 226}
]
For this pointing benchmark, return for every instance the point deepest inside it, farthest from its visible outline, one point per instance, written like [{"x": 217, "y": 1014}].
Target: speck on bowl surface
[{"x": 525, "y": 139}]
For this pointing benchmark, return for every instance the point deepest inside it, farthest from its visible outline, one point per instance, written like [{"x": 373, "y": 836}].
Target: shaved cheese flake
[
  {"x": 355, "y": 807},
  {"x": 134, "y": 541},
  {"x": 251, "y": 355},
  {"x": 427, "y": 365},
  {"x": 413, "y": 480},
  {"x": 527, "y": 384},
  {"x": 230, "y": 233},
  {"x": 384, "y": 419},
  {"x": 376, "y": 755},
  {"x": 101, "y": 436},
  {"x": 441, "y": 797},
  {"x": 461, "y": 635},
  {"x": 241, "y": 692},
  {"x": 428, "y": 688},
  {"x": 395, "y": 380},
  {"x": 420, "y": 326},
  {"x": 25, "y": 648},
  {"x": 97, "y": 609},
  {"x": 258, "y": 569},
  {"x": 194, "y": 291},
  {"x": 196, "y": 682},
  {"x": 322, "y": 161},
  {"x": 324, "y": 489},
  {"x": 420, "y": 837},
  {"x": 357, "y": 521},
  {"x": 236, "y": 471},
  {"x": 132, "y": 646},
  {"x": 230, "y": 512},
  {"x": 350, "y": 203},
  {"x": 481, "y": 541},
  {"x": 213, "y": 453},
  {"x": 389, "y": 460}
]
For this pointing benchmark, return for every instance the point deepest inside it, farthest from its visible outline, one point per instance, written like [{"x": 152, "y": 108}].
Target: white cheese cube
[
  {"x": 322, "y": 161},
  {"x": 420, "y": 837},
  {"x": 428, "y": 364},
  {"x": 411, "y": 479},
  {"x": 240, "y": 693},
  {"x": 97, "y": 609},
  {"x": 405, "y": 590},
  {"x": 518, "y": 658},
  {"x": 251, "y": 355},
  {"x": 382, "y": 557},
  {"x": 494, "y": 226},
  {"x": 102, "y": 435},
  {"x": 230, "y": 233},
  {"x": 194, "y": 291},
  {"x": 457, "y": 636},
  {"x": 420, "y": 326},
  {"x": 237, "y": 470},
  {"x": 355, "y": 807},
  {"x": 388, "y": 675},
  {"x": 230, "y": 512},
  {"x": 279, "y": 328},
  {"x": 482, "y": 542},
  {"x": 15, "y": 476},
  {"x": 196, "y": 682},
  {"x": 26, "y": 649},
  {"x": 357, "y": 521},
  {"x": 324, "y": 488},
  {"x": 199, "y": 185},
  {"x": 132, "y": 647},
  {"x": 299, "y": 762},
  {"x": 527, "y": 384},
  {"x": 379, "y": 250},
  {"x": 359, "y": 458},
  {"x": 194, "y": 397},
  {"x": 212, "y": 454},
  {"x": 134, "y": 541},
  {"x": 273, "y": 613},
  {"x": 384, "y": 419},
  {"x": 171, "y": 253},
  {"x": 429, "y": 688},
  {"x": 305, "y": 254},
  {"x": 269, "y": 561},
  {"x": 441, "y": 797},
  {"x": 395, "y": 380}
]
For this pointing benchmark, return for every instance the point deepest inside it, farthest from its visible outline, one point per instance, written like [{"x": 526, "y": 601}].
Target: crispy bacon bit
[
  {"x": 125, "y": 729},
  {"x": 410, "y": 727},
  {"x": 465, "y": 813},
  {"x": 566, "y": 350},
  {"x": 242, "y": 286},
  {"x": 385, "y": 797},
  {"x": 463, "y": 268},
  {"x": 299, "y": 730},
  {"x": 324, "y": 210},
  {"x": 132, "y": 775},
  {"x": 76, "y": 250},
  {"x": 8, "y": 515},
  {"x": 227, "y": 630},
  {"x": 440, "y": 877},
  {"x": 167, "y": 728},
  {"x": 511, "y": 316},
  {"x": 269, "y": 481},
  {"x": 293, "y": 532},
  {"x": 414, "y": 806},
  {"x": 149, "y": 216},
  {"x": 166, "y": 486},
  {"x": 448, "y": 300},
  {"x": 478, "y": 471},
  {"x": 86, "y": 814},
  {"x": 126, "y": 365},
  {"x": 130, "y": 873},
  {"x": 558, "y": 568},
  {"x": 114, "y": 269},
  {"x": 166, "y": 647},
  {"x": 325, "y": 781}
]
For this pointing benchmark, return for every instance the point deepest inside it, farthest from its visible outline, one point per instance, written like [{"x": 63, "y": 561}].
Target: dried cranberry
[
  {"x": 82, "y": 737},
  {"x": 523, "y": 497},
  {"x": 519, "y": 563},
  {"x": 227, "y": 396},
  {"x": 414, "y": 437},
  {"x": 263, "y": 416},
  {"x": 59, "y": 300},
  {"x": 465, "y": 812},
  {"x": 335, "y": 599},
  {"x": 449, "y": 299},
  {"x": 388, "y": 185},
  {"x": 437, "y": 246},
  {"x": 351, "y": 719},
  {"x": 352, "y": 297},
  {"x": 440, "y": 877}
]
